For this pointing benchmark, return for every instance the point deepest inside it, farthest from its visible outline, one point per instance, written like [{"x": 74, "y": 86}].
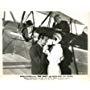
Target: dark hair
[{"x": 41, "y": 36}]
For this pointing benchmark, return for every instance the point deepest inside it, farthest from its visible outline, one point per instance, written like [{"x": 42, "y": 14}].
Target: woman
[{"x": 55, "y": 56}]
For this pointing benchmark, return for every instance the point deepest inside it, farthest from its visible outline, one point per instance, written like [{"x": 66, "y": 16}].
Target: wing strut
[
  {"x": 45, "y": 18},
  {"x": 75, "y": 64}
]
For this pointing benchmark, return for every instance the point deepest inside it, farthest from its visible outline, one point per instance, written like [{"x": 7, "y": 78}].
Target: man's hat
[{"x": 29, "y": 23}]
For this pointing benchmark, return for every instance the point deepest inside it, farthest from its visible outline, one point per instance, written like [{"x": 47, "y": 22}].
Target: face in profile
[
  {"x": 57, "y": 19},
  {"x": 49, "y": 42},
  {"x": 44, "y": 40},
  {"x": 30, "y": 28},
  {"x": 35, "y": 36}
]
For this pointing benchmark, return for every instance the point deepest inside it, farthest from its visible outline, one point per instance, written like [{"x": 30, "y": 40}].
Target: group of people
[
  {"x": 44, "y": 60},
  {"x": 49, "y": 53}
]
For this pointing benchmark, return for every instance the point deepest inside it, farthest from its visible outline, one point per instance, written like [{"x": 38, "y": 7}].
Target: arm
[
  {"x": 45, "y": 50},
  {"x": 36, "y": 57}
]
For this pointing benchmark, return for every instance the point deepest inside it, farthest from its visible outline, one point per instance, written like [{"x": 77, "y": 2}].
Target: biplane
[{"x": 16, "y": 59}]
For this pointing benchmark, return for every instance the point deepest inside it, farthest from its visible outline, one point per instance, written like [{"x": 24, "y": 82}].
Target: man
[
  {"x": 57, "y": 20},
  {"x": 38, "y": 58},
  {"x": 60, "y": 24},
  {"x": 35, "y": 36},
  {"x": 27, "y": 30}
]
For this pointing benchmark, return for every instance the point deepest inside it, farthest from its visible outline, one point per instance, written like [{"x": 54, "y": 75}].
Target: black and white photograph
[{"x": 43, "y": 43}]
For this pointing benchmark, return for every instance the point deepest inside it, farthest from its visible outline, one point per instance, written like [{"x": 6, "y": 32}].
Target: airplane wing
[{"x": 64, "y": 16}]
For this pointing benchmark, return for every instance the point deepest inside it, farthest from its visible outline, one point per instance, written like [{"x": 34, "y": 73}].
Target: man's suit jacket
[{"x": 38, "y": 60}]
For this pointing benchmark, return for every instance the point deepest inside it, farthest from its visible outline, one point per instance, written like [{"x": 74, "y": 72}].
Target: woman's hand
[{"x": 45, "y": 50}]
